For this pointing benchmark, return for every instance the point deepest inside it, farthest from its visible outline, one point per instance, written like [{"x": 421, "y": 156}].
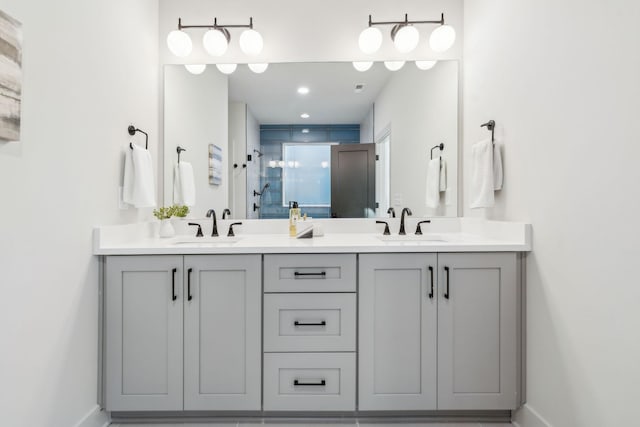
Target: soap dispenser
[{"x": 294, "y": 216}]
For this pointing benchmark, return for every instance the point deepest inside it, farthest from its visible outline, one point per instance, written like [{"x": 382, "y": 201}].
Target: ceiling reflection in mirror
[{"x": 340, "y": 142}]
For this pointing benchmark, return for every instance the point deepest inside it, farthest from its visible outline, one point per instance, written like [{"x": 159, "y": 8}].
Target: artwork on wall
[
  {"x": 10, "y": 77},
  {"x": 215, "y": 165}
]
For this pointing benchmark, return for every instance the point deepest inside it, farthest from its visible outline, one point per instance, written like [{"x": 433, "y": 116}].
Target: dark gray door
[{"x": 353, "y": 180}]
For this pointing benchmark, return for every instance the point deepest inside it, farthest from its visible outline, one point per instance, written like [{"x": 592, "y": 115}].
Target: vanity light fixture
[
  {"x": 226, "y": 68},
  {"x": 362, "y": 65},
  {"x": 215, "y": 40},
  {"x": 302, "y": 90},
  {"x": 305, "y": 115},
  {"x": 405, "y": 36},
  {"x": 196, "y": 68},
  {"x": 426, "y": 65},
  {"x": 393, "y": 65},
  {"x": 258, "y": 68}
]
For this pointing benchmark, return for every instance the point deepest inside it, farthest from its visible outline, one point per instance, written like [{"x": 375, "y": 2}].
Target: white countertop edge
[{"x": 461, "y": 235}]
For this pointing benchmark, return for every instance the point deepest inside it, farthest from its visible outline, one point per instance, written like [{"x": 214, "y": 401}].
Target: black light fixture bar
[
  {"x": 406, "y": 21},
  {"x": 215, "y": 25}
]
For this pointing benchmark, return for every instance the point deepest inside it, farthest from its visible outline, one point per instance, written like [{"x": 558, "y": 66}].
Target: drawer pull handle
[
  {"x": 189, "y": 296},
  {"x": 173, "y": 284},
  {"x": 322, "y": 274},
  {"x": 322, "y": 323},
  {"x": 321, "y": 383}
]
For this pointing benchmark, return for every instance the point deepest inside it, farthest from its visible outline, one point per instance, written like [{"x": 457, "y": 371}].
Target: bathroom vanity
[{"x": 349, "y": 323}]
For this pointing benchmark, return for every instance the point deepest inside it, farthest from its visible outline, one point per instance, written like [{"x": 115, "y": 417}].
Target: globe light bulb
[
  {"x": 362, "y": 66},
  {"x": 393, "y": 65},
  {"x": 426, "y": 65},
  {"x": 251, "y": 42},
  {"x": 406, "y": 38},
  {"x": 215, "y": 42},
  {"x": 258, "y": 68},
  {"x": 226, "y": 68},
  {"x": 179, "y": 43},
  {"x": 370, "y": 40},
  {"x": 196, "y": 68},
  {"x": 442, "y": 38}
]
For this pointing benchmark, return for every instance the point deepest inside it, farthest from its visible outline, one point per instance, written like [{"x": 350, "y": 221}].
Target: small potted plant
[
  {"x": 179, "y": 215},
  {"x": 163, "y": 214}
]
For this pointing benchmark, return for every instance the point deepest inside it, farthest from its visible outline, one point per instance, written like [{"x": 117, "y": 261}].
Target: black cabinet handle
[
  {"x": 322, "y": 274},
  {"x": 431, "y": 293},
  {"x": 189, "y": 296},
  {"x": 322, "y": 323},
  {"x": 173, "y": 284},
  {"x": 321, "y": 383},
  {"x": 446, "y": 293}
]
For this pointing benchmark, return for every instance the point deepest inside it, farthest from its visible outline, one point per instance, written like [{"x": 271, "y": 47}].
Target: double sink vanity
[{"x": 352, "y": 323}]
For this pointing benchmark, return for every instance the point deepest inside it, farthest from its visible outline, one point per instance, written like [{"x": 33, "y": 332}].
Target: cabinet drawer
[
  {"x": 309, "y": 322},
  {"x": 310, "y": 273},
  {"x": 309, "y": 382}
]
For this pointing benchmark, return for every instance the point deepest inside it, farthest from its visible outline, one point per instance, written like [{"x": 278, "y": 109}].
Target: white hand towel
[
  {"x": 433, "y": 183},
  {"x": 184, "y": 188},
  {"x": 482, "y": 175},
  {"x": 443, "y": 175},
  {"x": 127, "y": 187},
  {"x": 497, "y": 168},
  {"x": 138, "y": 189}
]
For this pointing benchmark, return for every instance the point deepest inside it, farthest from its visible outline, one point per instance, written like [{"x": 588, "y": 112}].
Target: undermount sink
[
  {"x": 205, "y": 241},
  {"x": 413, "y": 238}
]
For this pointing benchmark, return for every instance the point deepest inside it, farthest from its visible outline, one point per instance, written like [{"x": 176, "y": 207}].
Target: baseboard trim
[
  {"x": 95, "y": 418},
  {"x": 526, "y": 416}
]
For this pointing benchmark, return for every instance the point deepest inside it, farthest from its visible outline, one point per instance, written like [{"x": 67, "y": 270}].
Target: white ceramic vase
[{"x": 166, "y": 228}]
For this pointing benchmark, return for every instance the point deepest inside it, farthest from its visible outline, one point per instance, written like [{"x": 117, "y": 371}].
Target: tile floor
[{"x": 355, "y": 424}]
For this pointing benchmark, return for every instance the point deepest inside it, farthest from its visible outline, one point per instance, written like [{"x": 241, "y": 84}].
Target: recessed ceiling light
[
  {"x": 305, "y": 130},
  {"x": 305, "y": 115},
  {"x": 302, "y": 90}
]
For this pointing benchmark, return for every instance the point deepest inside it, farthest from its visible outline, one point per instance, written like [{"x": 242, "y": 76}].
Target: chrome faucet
[
  {"x": 214, "y": 231},
  {"x": 408, "y": 212}
]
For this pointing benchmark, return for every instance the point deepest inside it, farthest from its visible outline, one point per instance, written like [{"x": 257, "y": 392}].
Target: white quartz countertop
[{"x": 340, "y": 236}]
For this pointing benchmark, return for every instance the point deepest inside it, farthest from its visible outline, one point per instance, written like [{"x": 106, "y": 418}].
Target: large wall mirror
[{"x": 340, "y": 142}]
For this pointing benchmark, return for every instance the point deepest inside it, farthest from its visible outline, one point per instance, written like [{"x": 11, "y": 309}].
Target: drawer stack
[{"x": 309, "y": 332}]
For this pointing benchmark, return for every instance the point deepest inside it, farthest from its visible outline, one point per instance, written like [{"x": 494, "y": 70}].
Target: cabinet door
[
  {"x": 477, "y": 337},
  {"x": 222, "y": 332},
  {"x": 143, "y": 333},
  {"x": 397, "y": 332}
]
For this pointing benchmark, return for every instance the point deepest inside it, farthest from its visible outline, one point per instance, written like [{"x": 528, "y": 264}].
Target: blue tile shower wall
[{"x": 271, "y": 139}]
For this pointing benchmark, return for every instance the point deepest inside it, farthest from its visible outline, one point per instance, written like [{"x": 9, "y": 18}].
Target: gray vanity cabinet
[
  {"x": 397, "y": 332},
  {"x": 183, "y": 333},
  {"x": 478, "y": 324},
  {"x": 222, "y": 332},
  {"x": 143, "y": 299}
]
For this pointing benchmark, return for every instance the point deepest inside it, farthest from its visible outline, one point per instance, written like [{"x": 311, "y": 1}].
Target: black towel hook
[
  {"x": 179, "y": 150},
  {"x": 440, "y": 146},
  {"x": 132, "y": 131},
  {"x": 491, "y": 125}
]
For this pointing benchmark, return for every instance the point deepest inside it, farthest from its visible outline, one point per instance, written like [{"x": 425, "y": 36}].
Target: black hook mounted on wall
[
  {"x": 440, "y": 146},
  {"x": 132, "y": 131},
  {"x": 179, "y": 150},
  {"x": 491, "y": 125}
]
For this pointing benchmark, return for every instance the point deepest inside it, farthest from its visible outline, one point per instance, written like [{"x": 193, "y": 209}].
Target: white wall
[
  {"x": 195, "y": 115},
  {"x": 420, "y": 109},
  {"x": 561, "y": 81},
  {"x": 90, "y": 70}
]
